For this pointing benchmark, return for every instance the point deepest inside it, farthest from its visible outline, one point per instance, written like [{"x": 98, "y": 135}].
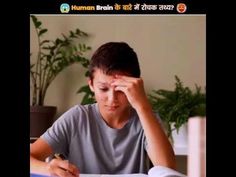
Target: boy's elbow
[{"x": 169, "y": 163}]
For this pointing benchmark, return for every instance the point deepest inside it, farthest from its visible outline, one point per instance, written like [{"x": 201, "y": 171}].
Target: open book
[
  {"x": 156, "y": 171},
  {"x": 160, "y": 171}
]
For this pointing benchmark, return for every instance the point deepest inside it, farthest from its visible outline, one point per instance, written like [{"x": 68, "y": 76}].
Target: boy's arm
[
  {"x": 159, "y": 148},
  {"x": 39, "y": 151}
]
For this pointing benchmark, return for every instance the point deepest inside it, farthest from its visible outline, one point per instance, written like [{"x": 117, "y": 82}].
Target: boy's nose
[{"x": 112, "y": 97}]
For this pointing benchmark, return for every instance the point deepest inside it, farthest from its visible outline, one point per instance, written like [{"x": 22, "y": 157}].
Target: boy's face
[{"x": 110, "y": 102}]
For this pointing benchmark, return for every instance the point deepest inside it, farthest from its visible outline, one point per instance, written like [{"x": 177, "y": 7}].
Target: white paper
[
  {"x": 161, "y": 171},
  {"x": 156, "y": 171}
]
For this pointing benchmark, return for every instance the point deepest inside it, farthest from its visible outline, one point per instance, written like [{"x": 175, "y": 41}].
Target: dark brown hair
[{"x": 115, "y": 57}]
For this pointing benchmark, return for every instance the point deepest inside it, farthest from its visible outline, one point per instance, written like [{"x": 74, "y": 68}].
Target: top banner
[{"x": 118, "y": 7}]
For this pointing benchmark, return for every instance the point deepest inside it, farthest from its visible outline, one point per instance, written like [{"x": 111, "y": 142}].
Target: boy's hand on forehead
[{"x": 133, "y": 88}]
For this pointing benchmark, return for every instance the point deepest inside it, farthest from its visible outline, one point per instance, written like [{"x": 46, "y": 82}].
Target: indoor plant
[
  {"x": 88, "y": 97},
  {"x": 177, "y": 106},
  {"x": 52, "y": 57}
]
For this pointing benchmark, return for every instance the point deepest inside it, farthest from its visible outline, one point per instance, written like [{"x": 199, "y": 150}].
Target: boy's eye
[{"x": 103, "y": 89}]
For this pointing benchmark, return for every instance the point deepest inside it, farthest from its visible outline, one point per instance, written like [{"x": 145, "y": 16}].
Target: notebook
[
  {"x": 156, "y": 171},
  {"x": 37, "y": 175}
]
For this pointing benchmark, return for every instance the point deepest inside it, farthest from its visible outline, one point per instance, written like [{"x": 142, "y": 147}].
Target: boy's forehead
[
  {"x": 98, "y": 71},
  {"x": 102, "y": 77}
]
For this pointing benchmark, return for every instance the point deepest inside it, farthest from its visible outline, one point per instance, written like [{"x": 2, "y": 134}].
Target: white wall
[{"x": 166, "y": 45}]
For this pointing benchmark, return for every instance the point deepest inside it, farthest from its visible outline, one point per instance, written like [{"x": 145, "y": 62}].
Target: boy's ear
[{"x": 90, "y": 83}]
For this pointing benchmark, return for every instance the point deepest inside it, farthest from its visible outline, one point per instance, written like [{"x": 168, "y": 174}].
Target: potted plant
[
  {"x": 177, "y": 106},
  {"x": 52, "y": 57},
  {"x": 88, "y": 97}
]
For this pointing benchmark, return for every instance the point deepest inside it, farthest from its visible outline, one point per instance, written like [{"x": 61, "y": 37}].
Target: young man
[{"x": 114, "y": 135}]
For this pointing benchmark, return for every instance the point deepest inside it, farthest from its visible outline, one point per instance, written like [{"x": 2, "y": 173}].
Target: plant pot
[
  {"x": 41, "y": 118},
  {"x": 180, "y": 138}
]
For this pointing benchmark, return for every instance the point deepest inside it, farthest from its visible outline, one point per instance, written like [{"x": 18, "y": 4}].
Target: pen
[{"x": 61, "y": 157}]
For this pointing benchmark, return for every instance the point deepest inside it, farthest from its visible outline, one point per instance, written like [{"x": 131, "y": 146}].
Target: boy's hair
[{"x": 115, "y": 57}]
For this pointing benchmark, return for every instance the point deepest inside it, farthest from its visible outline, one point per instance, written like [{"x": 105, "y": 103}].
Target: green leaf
[
  {"x": 42, "y": 31},
  {"x": 58, "y": 41},
  {"x": 43, "y": 42},
  {"x": 87, "y": 73},
  {"x": 84, "y": 89},
  {"x": 87, "y": 100},
  {"x": 37, "y": 23}
]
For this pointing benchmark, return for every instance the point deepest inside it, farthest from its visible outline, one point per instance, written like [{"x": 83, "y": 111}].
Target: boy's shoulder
[{"x": 83, "y": 108}]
